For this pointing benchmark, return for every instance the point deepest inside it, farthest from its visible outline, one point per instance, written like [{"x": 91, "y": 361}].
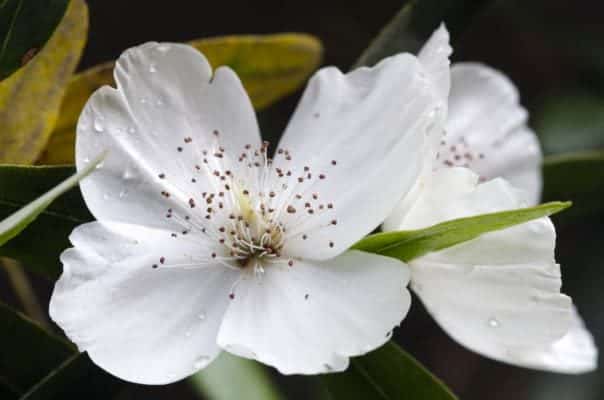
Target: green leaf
[
  {"x": 28, "y": 353},
  {"x": 16, "y": 222},
  {"x": 35, "y": 364},
  {"x": 407, "y": 245},
  {"x": 25, "y": 26},
  {"x": 31, "y": 97},
  {"x": 571, "y": 122},
  {"x": 233, "y": 378},
  {"x": 76, "y": 378},
  {"x": 414, "y": 24},
  {"x": 270, "y": 67},
  {"x": 388, "y": 373},
  {"x": 578, "y": 177},
  {"x": 40, "y": 244}
]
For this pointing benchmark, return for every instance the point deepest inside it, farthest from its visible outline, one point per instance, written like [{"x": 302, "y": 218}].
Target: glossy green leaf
[
  {"x": 571, "y": 122},
  {"x": 76, "y": 378},
  {"x": 270, "y": 67},
  {"x": 18, "y": 221},
  {"x": 28, "y": 353},
  {"x": 407, "y": 245},
  {"x": 388, "y": 373},
  {"x": 414, "y": 24},
  {"x": 233, "y": 378},
  {"x": 39, "y": 245},
  {"x": 25, "y": 26},
  {"x": 578, "y": 177},
  {"x": 30, "y": 99}
]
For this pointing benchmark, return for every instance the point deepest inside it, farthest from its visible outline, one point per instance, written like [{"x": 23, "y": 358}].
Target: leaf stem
[{"x": 24, "y": 291}]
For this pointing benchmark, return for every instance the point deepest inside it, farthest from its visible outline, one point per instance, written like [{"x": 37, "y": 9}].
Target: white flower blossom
[
  {"x": 499, "y": 294},
  {"x": 202, "y": 243}
]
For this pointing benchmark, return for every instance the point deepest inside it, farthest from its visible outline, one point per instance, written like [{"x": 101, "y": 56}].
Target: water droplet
[
  {"x": 98, "y": 125},
  {"x": 153, "y": 67},
  {"x": 202, "y": 316},
  {"x": 86, "y": 160},
  {"x": 162, "y": 48},
  {"x": 493, "y": 322},
  {"x": 128, "y": 174},
  {"x": 131, "y": 130},
  {"x": 159, "y": 102},
  {"x": 100, "y": 165},
  {"x": 106, "y": 196},
  {"x": 188, "y": 333},
  {"x": 143, "y": 100},
  {"x": 123, "y": 193},
  {"x": 201, "y": 362}
]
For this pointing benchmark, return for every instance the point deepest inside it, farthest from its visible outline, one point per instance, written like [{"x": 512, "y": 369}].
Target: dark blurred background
[{"x": 552, "y": 49}]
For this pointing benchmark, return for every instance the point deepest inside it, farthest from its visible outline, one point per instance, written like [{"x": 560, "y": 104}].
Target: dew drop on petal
[
  {"x": 98, "y": 125},
  {"x": 128, "y": 174},
  {"x": 202, "y": 316},
  {"x": 153, "y": 67},
  {"x": 163, "y": 48},
  {"x": 100, "y": 165},
  {"x": 493, "y": 322},
  {"x": 200, "y": 362},
  {"x": 123, "y": 193},
  {"x": 131, "y": 130}
]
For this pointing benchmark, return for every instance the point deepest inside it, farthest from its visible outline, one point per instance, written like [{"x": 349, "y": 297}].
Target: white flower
[
  {"x": 202, "y": 243},
  {"x": 499, "y": 294}
]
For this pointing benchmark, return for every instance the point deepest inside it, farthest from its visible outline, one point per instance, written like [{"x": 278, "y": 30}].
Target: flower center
[
  {"x": 252, "y": 237},
  {"x": 245, "y": 205}
]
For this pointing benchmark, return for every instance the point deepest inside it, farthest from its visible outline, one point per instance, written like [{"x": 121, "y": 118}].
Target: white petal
[
  {"x": 431, "y": 56},
  {"x": 575, "y": 353},
  {"x": 487, "y": 130},
  {"x": 142, "y": 324},
  {"x": 499, "y": 294},
  {"x": 155, "y": 126},
  {"x": 311, "y": 317},
  {"x": 371, "y": 123},
  {"x": 434, "y": 55}
]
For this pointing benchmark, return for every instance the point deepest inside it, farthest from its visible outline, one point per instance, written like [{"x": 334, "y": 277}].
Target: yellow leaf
[
  {"x": 30, "y": 99},
  {"x": 270, "y": 67}
]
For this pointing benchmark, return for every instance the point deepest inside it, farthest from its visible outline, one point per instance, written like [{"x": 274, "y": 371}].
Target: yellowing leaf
[
  {"x": 270, "y": 66},
  {"x": 30, "y": 99}
]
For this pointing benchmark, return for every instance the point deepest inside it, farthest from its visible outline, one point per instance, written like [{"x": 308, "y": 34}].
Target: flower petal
[
  {"x": 487, "y": 130},
  {"x": 142, "y": 324},
  {"x": 574, "y": 353},
  {"x": 309, "y": 318},
  {"x": 499, "y": 294},
  {"x": 354, "y": 132},
  {"x": 434, "y": 56},
  {"x": 155, "y": 126}
]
